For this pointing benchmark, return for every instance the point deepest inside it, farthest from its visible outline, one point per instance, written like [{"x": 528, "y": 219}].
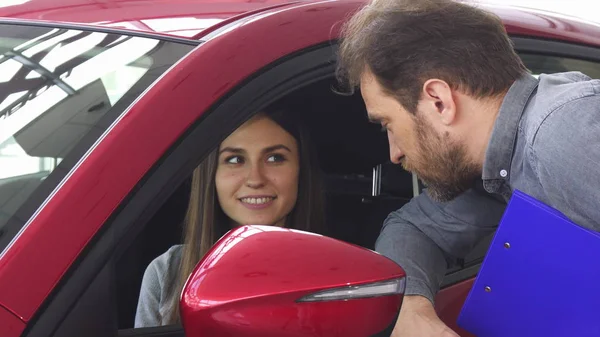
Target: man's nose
[
  {"x": 256, "y": 177},
  {"x": 395, "y": 153}
]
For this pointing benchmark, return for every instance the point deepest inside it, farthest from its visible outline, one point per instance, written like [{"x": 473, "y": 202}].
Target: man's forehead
[
  {"x": 368, "y": 92},
  {"x": 367, "y": 79}
]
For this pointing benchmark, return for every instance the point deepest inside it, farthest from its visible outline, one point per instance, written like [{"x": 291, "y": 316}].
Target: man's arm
[{"x": 424, "y": 236}]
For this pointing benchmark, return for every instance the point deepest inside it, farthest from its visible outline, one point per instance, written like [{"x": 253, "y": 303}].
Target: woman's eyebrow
[
  {"x": 276, "y": 147},
  {"x": 231, "y": 149}
]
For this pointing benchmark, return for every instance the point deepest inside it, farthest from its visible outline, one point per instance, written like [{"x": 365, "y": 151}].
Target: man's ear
[{"x": 437, "y": 95}]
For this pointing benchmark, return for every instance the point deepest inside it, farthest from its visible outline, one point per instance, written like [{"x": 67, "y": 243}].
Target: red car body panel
[
  {"x": 214, "y": 304},
  {"x": 32, "y": 266},
  {"x": 181, "y": 18},
  {"x": 534, "y": 23},
  {"x": 189, "y": 18},
  {"x": 449, "y": 302},
  {"x": 10, "y": 325},
  {"x": 238, "y": 264}
]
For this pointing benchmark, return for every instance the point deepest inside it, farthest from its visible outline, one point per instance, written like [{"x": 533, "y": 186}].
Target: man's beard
[{"x": 442, "y": 165}]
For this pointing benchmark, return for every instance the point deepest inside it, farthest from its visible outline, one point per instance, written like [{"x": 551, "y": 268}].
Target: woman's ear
[{"x": 439, "y": 100}]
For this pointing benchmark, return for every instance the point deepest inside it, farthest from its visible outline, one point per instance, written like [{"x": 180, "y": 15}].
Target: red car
[{"x": 106, "y": 107}]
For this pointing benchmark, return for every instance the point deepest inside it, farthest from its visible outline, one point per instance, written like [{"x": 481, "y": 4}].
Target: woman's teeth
[{"x": 256, "y": 201}]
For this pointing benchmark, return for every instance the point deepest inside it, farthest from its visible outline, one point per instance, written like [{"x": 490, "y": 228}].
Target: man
[{"x": 463, "y": 113}]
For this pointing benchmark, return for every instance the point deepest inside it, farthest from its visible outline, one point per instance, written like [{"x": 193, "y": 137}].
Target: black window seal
[
  {"x": 550, "y": 47},
  {"x": 266, "y": 86},
  {"x": 99, "y": 29}
]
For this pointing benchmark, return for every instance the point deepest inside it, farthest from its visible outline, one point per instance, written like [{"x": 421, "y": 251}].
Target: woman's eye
[
  {"x": 275, "y": 158},
  {"x": 234, "y": 160}
]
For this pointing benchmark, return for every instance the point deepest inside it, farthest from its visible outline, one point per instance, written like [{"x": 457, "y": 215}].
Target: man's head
[{"x": 433, "y": 73}]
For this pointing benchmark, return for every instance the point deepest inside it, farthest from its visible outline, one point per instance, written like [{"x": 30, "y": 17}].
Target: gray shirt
[
  {"x": 545, "y": 142},
  {"x": 155, "y": 304}
]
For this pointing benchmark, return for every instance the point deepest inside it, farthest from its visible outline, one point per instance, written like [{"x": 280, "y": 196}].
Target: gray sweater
[{"x": 157, "y": 290}]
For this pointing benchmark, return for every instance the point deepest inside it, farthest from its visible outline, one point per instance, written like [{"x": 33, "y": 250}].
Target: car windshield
[{"x": 59, "y": 91}]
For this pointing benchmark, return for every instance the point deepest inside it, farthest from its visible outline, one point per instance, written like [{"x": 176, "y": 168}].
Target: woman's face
[{"x": 257, "y": 174}]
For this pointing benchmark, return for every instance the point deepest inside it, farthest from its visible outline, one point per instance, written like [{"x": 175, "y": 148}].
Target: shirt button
[{"x": 503, "y": 173}]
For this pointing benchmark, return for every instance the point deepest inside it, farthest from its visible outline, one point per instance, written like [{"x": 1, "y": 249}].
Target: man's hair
[{"x": 406, "y": 42}]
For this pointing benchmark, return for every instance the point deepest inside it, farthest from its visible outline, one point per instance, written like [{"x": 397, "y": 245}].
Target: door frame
[{"x": 127, "y": 222}]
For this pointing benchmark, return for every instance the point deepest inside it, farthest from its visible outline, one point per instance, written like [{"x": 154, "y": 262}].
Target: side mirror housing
[{"x": 263, "y": 281}]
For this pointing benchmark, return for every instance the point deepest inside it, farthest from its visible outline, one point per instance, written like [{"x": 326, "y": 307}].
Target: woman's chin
[{"x": 262, "y": 222}]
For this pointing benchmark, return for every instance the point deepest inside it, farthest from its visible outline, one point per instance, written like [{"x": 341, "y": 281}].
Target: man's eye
[
  {"x": 276, "y": 158},
  {"x": 234, "y": 160},
  {"x": 383, "y": 129}
]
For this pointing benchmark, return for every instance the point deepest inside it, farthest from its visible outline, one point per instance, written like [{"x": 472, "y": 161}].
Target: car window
[
  {"x": 59, "y": 90},
  {"x": 540, "y": 64}
]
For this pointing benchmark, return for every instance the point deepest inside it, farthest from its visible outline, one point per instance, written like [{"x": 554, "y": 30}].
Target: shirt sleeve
[
  {"x": 566, "y": 158},
  {"x": 424, "y": 236},
  {"x": 148, "y": 313}
]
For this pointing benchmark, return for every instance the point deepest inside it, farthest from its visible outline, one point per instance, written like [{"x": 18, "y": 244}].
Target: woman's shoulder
[
  {"x": 168, "y": 261},
  {"x": 171, "y": 256},
  {"x": 157, "y": 285}
]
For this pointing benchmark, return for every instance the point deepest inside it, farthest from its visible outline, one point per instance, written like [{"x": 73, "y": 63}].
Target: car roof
[
  {"x": 178, "y": 18},
  {"x": 189, "y": 18}
]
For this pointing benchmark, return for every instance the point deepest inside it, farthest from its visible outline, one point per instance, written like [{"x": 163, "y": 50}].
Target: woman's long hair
[{"x": 206, "y": 222}]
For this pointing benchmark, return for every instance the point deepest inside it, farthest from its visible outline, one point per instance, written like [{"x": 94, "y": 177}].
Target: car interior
[{"x": 362, "y": 186}]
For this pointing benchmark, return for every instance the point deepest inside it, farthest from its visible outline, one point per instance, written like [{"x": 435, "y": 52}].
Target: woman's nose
[{"x": 256, "y": 178}]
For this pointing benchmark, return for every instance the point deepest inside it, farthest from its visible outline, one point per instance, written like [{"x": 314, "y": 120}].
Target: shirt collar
[{"x": 499, "y": 152}]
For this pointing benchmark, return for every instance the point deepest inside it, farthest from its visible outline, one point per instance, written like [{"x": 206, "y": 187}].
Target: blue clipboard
[{"x": 540, "y": 277}]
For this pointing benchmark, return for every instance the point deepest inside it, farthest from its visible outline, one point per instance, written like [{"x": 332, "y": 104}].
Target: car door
[
  {"x": 60, "y": 246},
  {"x": 62, "y": 89}
]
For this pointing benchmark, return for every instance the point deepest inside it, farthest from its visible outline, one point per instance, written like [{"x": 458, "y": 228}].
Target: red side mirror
[{"x": 261, "y": 281}]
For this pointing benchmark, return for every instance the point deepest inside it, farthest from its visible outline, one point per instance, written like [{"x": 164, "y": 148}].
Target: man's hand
[{"x": 419, "y": 319}]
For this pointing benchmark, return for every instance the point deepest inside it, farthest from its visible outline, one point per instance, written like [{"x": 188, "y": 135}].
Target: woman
[{"x": 264, "y": 173}]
